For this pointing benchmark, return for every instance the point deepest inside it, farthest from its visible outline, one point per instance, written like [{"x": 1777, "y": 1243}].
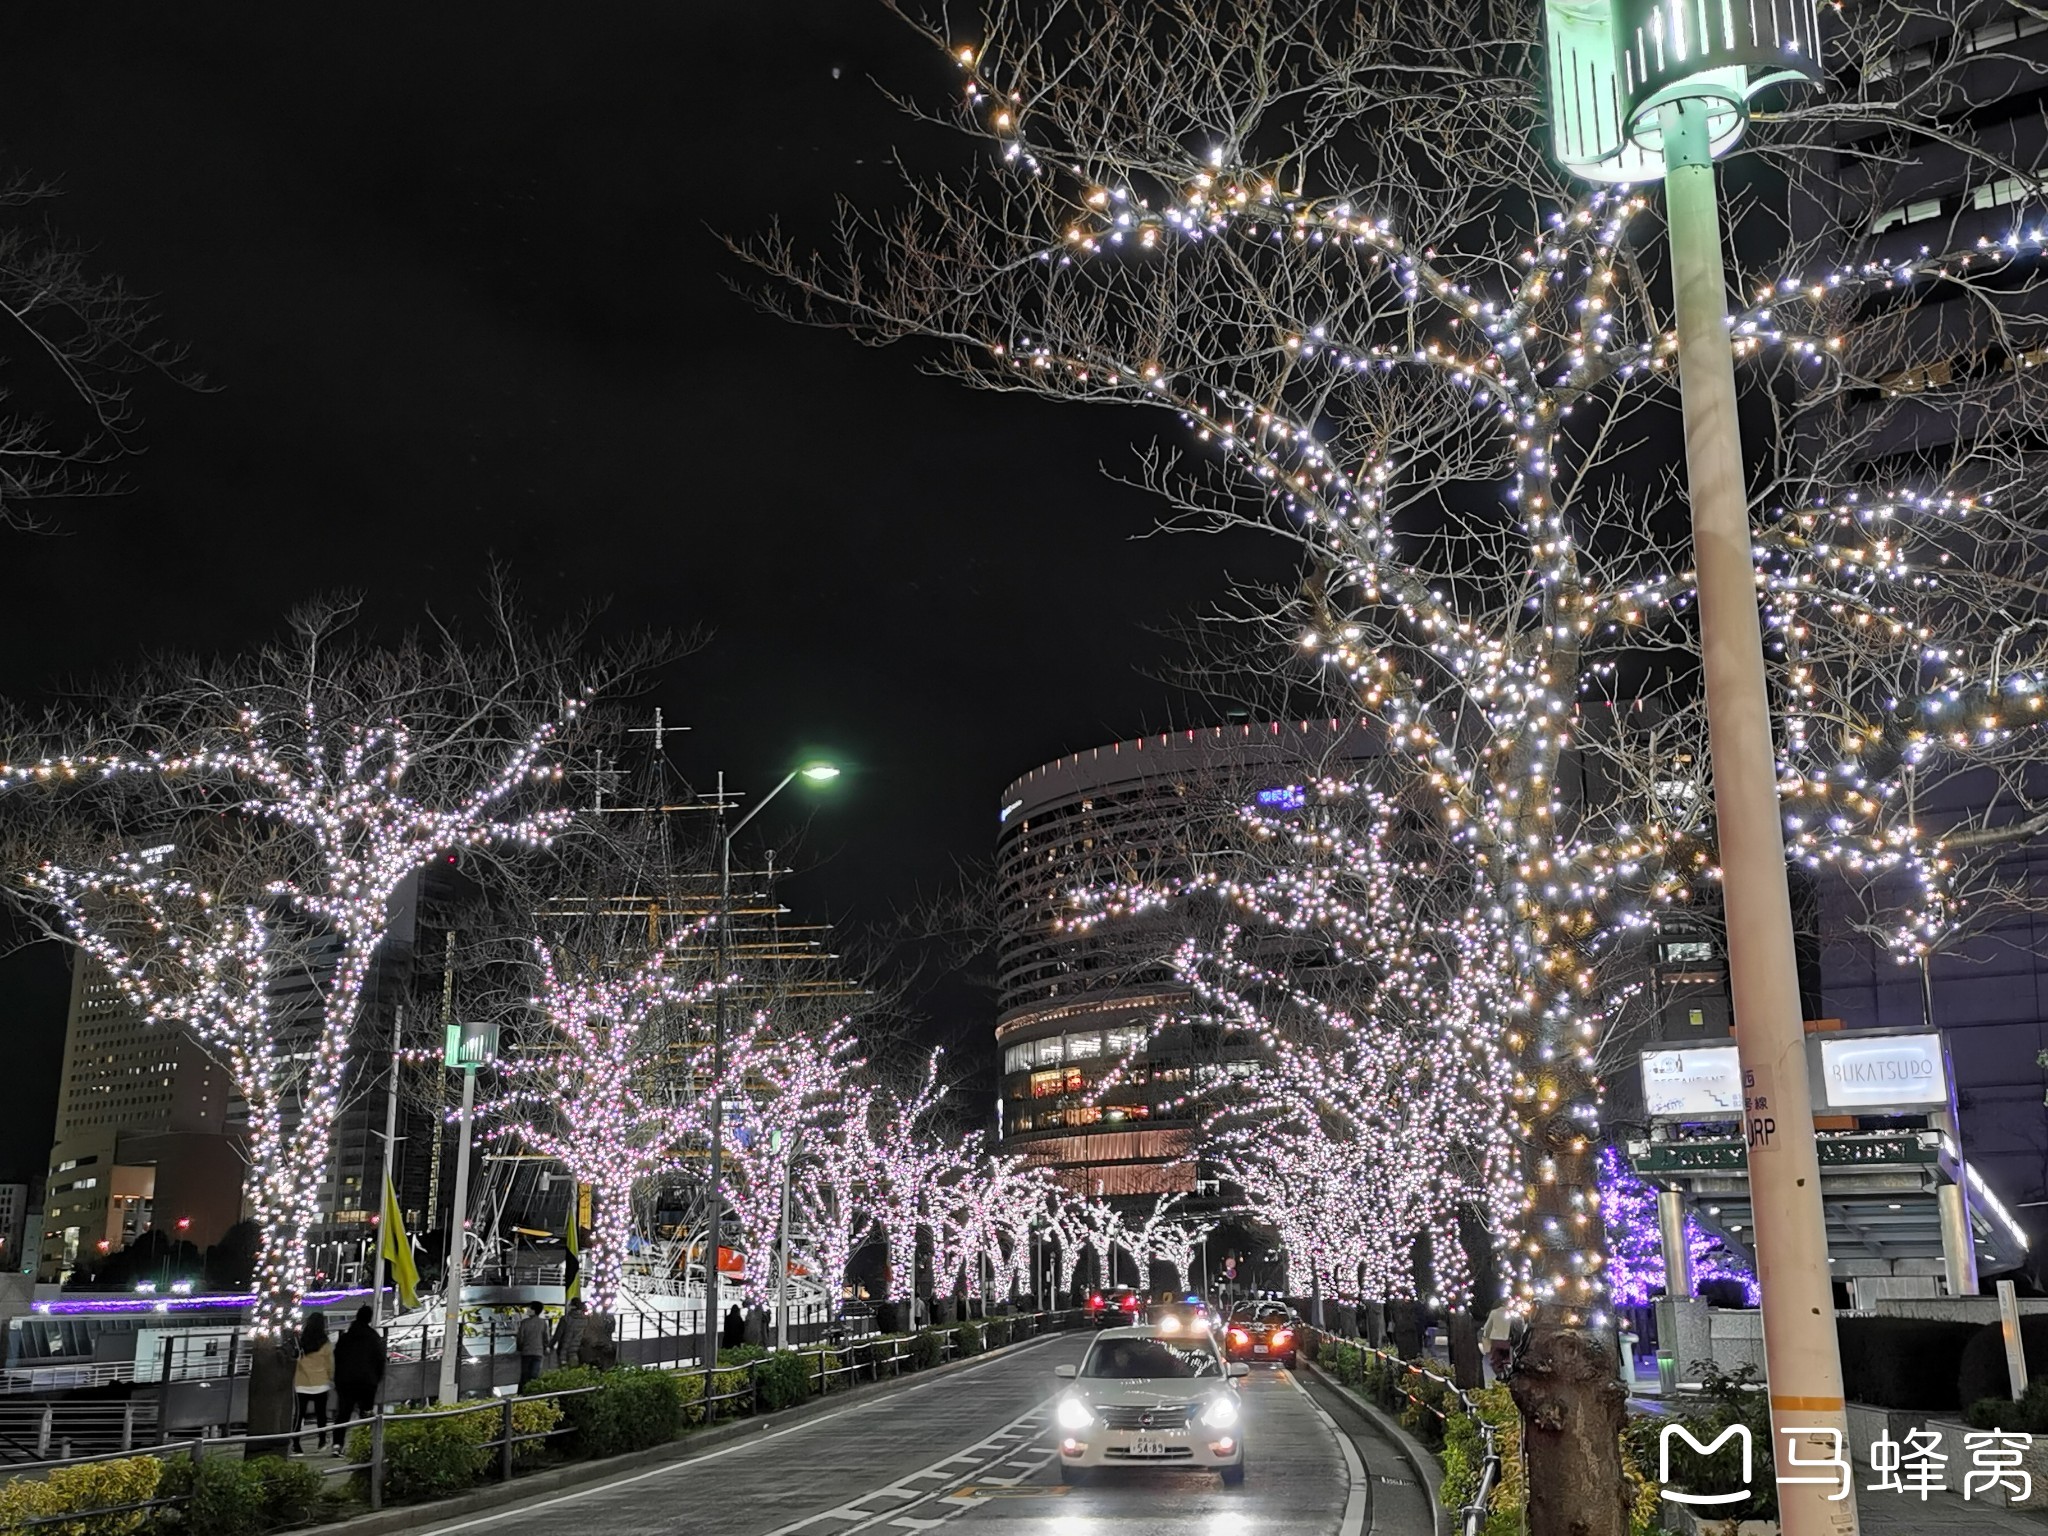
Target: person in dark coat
[
  {"x": 359, "y": 1358},
  {"x": 568, "y": 1339},
  {"x": 597, "y": 1347},
  {"x": 735, "y": 1328}
]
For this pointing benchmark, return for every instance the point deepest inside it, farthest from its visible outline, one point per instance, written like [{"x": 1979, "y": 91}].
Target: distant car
[
  {"x": 1145, "y": 1398},
  {"x": 1117, "y": 1307},
  {"x": 1180, "y": 1312},
  {"x": 1267, "y": 1335}
]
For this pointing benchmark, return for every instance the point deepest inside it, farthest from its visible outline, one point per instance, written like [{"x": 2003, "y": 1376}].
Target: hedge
[
  {"x": 2027, "y": 1416},
  {"x": 1983, "y": 1374},
  {"x": 429, "y": 1456},
  {"x": 967, "y": 1338},
  {"x": 97, "y": 1485},
  {"x": 784, "y": 1379},
  {"x": 227, "y": 1496},
  {"x": 926, "y": 1350},
  {"x": 1903, "y": 1362}
]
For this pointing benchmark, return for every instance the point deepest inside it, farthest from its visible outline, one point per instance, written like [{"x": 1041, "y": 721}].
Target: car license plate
[
  {"x": 1149, "y": 1448},
  {"x": 1258, "y": 1349}
]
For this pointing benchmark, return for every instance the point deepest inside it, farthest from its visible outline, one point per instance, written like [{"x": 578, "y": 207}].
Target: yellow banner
[{"x": 397, "y": 1251}]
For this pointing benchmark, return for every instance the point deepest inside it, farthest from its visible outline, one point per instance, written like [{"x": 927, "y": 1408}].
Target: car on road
[
  {"x": 1142, "y": 1397},
  {"x": 1264, "y": 1335},
  {"x": 1178, "y": 1312},
  {"x": 1117, "y": 1307}
]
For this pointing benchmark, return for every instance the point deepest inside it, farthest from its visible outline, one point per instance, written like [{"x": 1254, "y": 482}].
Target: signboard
[
  {"x": 1701, "y": 1082},
  {"x": 1883, "y": 1071}
]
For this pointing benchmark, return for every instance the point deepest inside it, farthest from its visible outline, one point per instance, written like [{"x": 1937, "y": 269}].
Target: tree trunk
[
  {"x": 1466, "y": 1370},
  {"x": 1572, "y": 1409},
  {"x": 270, "y": 1398},
  {"x": 1404, "y": 1325}
]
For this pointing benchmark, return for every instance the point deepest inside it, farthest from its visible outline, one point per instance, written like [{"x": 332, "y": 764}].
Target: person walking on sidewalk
[
  {"x": 359, "y": 1358},
  {"x": 568, "y": 1340},
  {"x": 530, "y": 1338},
  {"x": 312, "y": 1377}
]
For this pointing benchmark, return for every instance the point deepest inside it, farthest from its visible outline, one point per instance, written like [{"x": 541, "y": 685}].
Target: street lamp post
[
  {"x": 714, "y": 1203},
  {"x": 1650, "y": 89},
  {"x": 469, "y": 1046}
]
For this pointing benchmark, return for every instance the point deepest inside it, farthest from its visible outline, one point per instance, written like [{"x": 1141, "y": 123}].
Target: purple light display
[{"x": 1635, "y": 1252}]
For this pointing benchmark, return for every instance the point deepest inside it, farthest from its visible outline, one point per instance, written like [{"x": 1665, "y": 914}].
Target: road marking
[
  {"x": 983, "y": 1456},
  {"x": 746, "y": 1444},
  {"x": 1358, "y": 1501}
]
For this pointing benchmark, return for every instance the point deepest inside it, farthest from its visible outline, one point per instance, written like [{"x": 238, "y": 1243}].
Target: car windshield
[{"x": 1149, "y": 1360}]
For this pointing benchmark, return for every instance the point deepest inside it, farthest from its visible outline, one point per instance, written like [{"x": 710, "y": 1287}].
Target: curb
[
  {"x": 1427, "y": 1469},
  {"x": 405, "y": 1517}
]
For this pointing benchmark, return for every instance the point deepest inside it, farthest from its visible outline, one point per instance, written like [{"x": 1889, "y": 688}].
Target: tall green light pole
[
  {"x": 1643, "y": 90},
  {"x": 714, "y": 1193}
]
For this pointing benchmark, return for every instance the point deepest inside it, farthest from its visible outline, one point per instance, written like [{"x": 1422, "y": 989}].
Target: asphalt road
[{"x": 973, "y": 1450}]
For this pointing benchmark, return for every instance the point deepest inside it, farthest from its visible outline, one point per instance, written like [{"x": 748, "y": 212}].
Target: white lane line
[
  {"x": 746, "y": 1444},
  {"x": 982, "y": 1454},
  {"x": 1353, "y": 1523}
]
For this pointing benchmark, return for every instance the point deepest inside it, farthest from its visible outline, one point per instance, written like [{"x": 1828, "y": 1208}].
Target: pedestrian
[
  {"x": 735, "y": 1328},
  {"x": 530, "y": 1338},
  {"x": 568, "y": 1338},
  {"x": 596, "y": 1348},
  {"x": 1499, "y": 1339},
  {"x": 359, "y": 1358},
  {"x": 312, "y": 1377}
]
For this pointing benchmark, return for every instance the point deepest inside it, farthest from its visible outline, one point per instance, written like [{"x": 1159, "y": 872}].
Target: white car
[{"x": 1147, "y": 1397}]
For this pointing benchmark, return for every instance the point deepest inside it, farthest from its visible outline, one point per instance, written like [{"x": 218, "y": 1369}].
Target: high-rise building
[
  {"x": 13, "y": 1225},
  {"x": 142, "y": 1132},
  {"x": 1094, "y": 1085},
  {"x": 1958, "y": 382}
]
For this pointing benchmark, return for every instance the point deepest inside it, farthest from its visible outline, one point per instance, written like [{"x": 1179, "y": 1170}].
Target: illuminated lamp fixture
[{"x": 1615, "y": 65}]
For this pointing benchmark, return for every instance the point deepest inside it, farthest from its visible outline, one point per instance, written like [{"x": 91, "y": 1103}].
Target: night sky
[{"x": 452, "y": 275}]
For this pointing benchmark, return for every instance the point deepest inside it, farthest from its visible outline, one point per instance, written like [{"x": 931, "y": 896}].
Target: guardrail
[
  {"x": 881, "y": 1354},
  {"x": 1472, "y": 1517}
]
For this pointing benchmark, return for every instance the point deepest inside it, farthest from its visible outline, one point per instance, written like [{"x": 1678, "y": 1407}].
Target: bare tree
[
  {"x": 1326, "y": 239},
  {"x": 212, "y": 817},
  {"x": 76, "y": 340}
]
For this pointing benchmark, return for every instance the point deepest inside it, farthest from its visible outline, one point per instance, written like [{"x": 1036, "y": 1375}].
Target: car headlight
[
  {"x": 1075, "y": 1414},
  {"x": 1169, "y": 1324},
  {"x": 1222, "y": 1411}
]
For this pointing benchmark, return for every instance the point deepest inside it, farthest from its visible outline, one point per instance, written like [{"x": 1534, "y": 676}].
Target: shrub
[
  {"x": 2029, "y": 1415},
  {"x": 429, "y": 1456},
  {"x": 888, "y": 1317},
  {"x": 227, "y": 1496},
  {"x": 97, "y": 1485},
  {"x": 1464, "y": 1456},
  {"x": 784, "y": 1379},
  {"x": 1982, "y": 1372},
  {"x": 967, "y": 1338},
  {"x": 1903, "y": 1362},
  {"x": 743, "y": 1354},
  {"x": 926, "y": 1350},
  {"x": 996, "y": 1332}
]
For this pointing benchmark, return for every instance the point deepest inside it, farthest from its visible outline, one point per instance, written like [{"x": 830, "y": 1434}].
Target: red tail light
[
  {"x": 1130, "y": 1303},
  {"x": 1284, "y": 1336},
  {"x": 1239, "y": 1336},
  {"x": 1094, "y": 1303}
]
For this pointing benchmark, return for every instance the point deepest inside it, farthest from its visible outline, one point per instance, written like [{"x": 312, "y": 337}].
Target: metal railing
[
  {"x": 871, "y": 1359},
  {"x": 1472, "y": 1516}
]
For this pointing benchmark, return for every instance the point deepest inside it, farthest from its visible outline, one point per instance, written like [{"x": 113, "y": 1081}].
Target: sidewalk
[{"x": 1894, "y": 1514}]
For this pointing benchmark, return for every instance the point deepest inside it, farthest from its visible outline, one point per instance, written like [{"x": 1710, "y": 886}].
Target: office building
[
  {"x": 13, "y": 1225},
  {"x": 142, "y": 1132},
  {"x": 1096, "y": 1062}
]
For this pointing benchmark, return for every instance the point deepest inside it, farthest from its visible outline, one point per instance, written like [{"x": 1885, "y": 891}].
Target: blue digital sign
[{"x": 1286, "y": 797}]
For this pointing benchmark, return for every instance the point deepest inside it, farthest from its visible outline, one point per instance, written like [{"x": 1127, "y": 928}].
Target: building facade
[
  {"x": 143, "y": 1129},
  {"x": 1097, "y": 1061},
  {"x": 13, "y": 1225},
  {"x": 1956, "y": 380}
]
